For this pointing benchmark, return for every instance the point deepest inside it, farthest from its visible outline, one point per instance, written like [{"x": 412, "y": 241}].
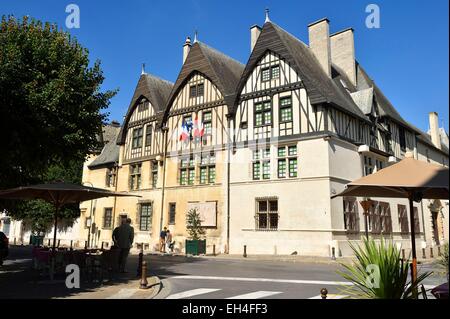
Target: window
[
  {"x": 263, "y": 113},
  {"x": 270, "y": 73},
  {"x": 379, "y": 164},
  {"x": 267, "y": 214},
  {"x": 351, "y": 217},
  {"x": 374, "y": 218},
  {"x": 207, "y": 122},
  {"x": 402, "y": 138},
  {"x": 135, "y": 176},
  {"x": 197, "y": 90},
  {"x": 107, "y": 218},
  {"x": 154, "y": 173},
  {"x": 208, "y": 169},
  {"x": 148, "y": 135},
  {"x": 137, "y": 137},
  {"x": 172, "y": 209},
  {"x": 143, "y": 106},
  {"x": 261, "y": 164},
  {"x": 287, "y": 161},
  {"x": 385, "y": 217},
  {"x": 416, "y": 221},
  {"x": 403, "y": 219},
  {"x": 187, "y": 171},
  {"x": 145, "y": 217},
  {"x": 285, "y": 109},
  {"x": 111, "y": 174},
  {"x": 368, "y": 165}
]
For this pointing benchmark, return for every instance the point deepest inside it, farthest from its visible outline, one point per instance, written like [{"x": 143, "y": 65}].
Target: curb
[
  {"x": 165, "y": 290},
  {"x": 156, "y": 288}
]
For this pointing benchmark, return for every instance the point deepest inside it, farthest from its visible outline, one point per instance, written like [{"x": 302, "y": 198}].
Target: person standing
[
  {"x": 162, "y": 240},
  {"x": 169, "y": 241},
  {"x": 124, "y": 237}
]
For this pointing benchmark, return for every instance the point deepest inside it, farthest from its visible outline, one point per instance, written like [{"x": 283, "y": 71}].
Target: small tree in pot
[{"x": 194, "y": 227}]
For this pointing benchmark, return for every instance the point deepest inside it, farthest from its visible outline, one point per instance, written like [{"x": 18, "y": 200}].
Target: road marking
[
  {"x": 330, "y": 296},
  {"x": 256, "y": 295},
  {"x": 292, "y": 281},
  {"x": 191, "y": 293},
  {"x": 124, "y": 293}
]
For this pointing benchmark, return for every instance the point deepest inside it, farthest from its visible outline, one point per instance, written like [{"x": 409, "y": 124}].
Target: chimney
[
  {"x": 319, "y": 42},
  {"x": 255, "y": 31},
  {"x": 343, "y": 53},
  {"x": 434, "y": 129},
  {"x": 186, "y": 48}
]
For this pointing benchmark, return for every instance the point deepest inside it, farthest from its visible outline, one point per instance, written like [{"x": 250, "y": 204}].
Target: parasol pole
[
  {"x": 56, "y": 224},
  {"x": 413, "y": 244}
]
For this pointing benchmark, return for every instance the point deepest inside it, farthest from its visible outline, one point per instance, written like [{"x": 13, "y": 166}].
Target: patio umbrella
[
  {"x": 59, "y": 194},
  {"x": 409, "y": 178}
]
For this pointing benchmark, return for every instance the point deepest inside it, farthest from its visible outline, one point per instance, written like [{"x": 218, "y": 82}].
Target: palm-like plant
[
  {"x": 443, "y": 260},
  {"x": 379, "y": 273}
]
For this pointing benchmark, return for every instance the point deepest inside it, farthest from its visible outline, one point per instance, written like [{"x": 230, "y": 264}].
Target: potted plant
[{"x": 195, "y": 245}]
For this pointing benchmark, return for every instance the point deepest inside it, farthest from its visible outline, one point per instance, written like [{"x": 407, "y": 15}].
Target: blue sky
[{"x": 408, "y": 56}]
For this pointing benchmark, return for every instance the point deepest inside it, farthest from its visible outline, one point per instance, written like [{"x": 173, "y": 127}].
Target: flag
[
  {"x": 184, "y": 132},
  {"x": 198, "y": 129}
]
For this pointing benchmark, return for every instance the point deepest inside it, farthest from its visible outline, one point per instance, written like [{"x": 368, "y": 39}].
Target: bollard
[
  {"x": 14, "y": 241},
  {"x": 48, "y": 244},
  {"x": 424, "y": 256},
  {"x": 403, "y": 254},
  {"x": 439, "y": 251},
  {"x": 59, "y": 241},
  {"x": 431, "y": 252},
  {"x": 71, "y": 245},
  {"x": 144, "y": 283},
  {"x": 245, "y": 251},
  {"x": 85, "y": 244},
  {"x": 140, "y": 260},
  {"x": 333, "y": 253},
  {"x": 214, "y": 249},
  {"x": 323, "y": 293},
  {"x": 102, "y": 245}
]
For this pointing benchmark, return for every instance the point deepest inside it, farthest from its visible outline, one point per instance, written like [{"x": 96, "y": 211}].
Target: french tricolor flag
[
  {"x": 198, "y": 128},
  {"x": 184, "y": 132}
]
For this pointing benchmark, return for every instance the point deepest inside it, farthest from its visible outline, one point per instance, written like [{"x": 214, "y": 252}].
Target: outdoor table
[{"x": 441, "y": 291}]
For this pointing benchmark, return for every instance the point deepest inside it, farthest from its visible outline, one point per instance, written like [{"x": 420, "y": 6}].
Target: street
[{"x": 227, "y": 277}]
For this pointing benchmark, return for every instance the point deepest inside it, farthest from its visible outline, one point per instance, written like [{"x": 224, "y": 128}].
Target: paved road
[
  {"x": 189, "y": 278},
  {"x": 192, "y": 278}
]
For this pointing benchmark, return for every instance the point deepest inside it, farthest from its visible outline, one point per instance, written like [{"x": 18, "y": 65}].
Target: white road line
[
  {"x": 124, "y": 293},
  {"x": 191, "y": 293},
  {"x": 292, "y": 281},
  {"x": 256, "y": 295},
  {"x": 330, "y": 296}
]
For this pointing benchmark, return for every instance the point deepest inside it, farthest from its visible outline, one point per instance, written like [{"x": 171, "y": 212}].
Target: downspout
[
  {"x": 116, "y": 181},
  {"x": 165, "y": 129},
  {"x": 228, "y": 181}
]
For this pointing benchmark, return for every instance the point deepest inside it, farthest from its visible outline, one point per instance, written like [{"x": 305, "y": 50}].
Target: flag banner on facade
[
  {"x": 198, "y": 128},
  {"x": 186, "y": 129}
]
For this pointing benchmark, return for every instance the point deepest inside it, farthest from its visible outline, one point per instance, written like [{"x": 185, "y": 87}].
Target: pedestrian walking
[
  {"x": 162, "y": 240},
  {"x": 124, "y": 238}
]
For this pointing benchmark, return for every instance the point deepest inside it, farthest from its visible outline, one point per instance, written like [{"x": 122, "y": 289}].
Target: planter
[{"x": 196, "y": 247}]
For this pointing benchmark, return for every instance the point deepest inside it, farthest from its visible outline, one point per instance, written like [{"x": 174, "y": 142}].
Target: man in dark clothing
[
  {"x": 162, "y": 240},
  {"x": 3, "y": 247},
  {"x": 123, "y": 237}
]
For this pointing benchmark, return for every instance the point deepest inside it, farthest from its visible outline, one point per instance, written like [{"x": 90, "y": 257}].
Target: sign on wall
[{"x": 207, "y": 211}]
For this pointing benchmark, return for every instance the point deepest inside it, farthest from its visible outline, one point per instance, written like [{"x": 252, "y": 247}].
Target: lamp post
[{"x": 366, "y": 203}]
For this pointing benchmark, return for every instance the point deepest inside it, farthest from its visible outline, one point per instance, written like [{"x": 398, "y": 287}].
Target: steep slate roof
[
  {"x": 321, "y": 88},
  {"x": 384, "y": 105},
  {"x": 155, "y": 90},
  {"x": 220, "y": 69},
  {"x": 110, "y": 151},
  {"x": 426, "y": 138}
]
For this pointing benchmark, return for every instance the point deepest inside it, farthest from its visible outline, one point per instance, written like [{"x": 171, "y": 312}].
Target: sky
[{"x": 407, "y": 56}]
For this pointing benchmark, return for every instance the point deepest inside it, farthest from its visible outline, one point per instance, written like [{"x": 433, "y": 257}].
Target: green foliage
[
  {"x": 393, "y": 280},
  {"x": 50, "y": 100},
  {"x": 194, "y": 224}
]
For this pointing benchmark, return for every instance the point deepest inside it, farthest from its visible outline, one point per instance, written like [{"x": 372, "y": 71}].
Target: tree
[
  {"x": 194, "y": 224},
  {"x": 50, "y": 101}
]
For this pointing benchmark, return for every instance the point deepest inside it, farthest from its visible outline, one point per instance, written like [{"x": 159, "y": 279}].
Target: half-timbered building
[{"x": 259, "y": 149}]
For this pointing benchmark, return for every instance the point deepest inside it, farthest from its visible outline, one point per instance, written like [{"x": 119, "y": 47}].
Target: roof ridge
[
  {"x": 202, "y": 44},
  {"x": 158, "y": 78}
]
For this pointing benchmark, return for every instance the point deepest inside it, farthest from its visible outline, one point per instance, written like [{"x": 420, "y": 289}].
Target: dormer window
[
  {"x": 197, "y": 90},
  {"x": 143, "y": 106}
]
